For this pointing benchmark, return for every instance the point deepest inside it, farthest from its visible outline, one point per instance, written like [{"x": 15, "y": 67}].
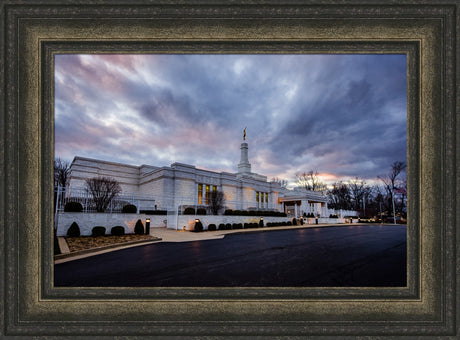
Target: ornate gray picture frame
[{"x": 427, "y": 32}]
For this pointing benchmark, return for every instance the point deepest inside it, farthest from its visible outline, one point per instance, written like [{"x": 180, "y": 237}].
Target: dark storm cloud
[
  {"x": 338, "y": 114},
  {"x": 360, "y": 115}
]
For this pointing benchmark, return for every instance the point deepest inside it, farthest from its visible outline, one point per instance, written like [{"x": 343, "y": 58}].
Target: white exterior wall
[
  {"x": 231, "y": 196},
  {"x": 169, "y": 186},
  {"x": 126, "y": 175},
  {"x": 185, "y": 191},
  {"x": 249, "y": 197},
  {"x": 87, "y": 221},
  {"x": 188, "y": 221}
]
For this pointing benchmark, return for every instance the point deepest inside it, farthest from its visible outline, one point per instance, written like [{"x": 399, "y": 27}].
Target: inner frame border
[{"x": 26, "y": 163}]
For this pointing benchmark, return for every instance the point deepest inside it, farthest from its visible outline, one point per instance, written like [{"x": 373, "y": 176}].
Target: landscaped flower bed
[{"x": 88, "y": 242}]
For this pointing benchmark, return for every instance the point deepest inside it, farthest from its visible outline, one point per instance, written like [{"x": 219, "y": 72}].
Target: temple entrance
[{"x": 292, "y": 208}]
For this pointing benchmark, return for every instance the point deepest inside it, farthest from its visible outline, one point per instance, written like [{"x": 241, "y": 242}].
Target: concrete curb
[{"x": 63, "y": 246}]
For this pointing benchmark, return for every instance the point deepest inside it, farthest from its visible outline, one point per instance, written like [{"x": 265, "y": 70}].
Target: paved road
[{"x": 364, "y": 255}]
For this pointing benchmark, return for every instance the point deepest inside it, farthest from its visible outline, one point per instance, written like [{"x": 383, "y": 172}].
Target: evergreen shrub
[
  {"x": 198, "y": 226},
  {"x": 129, "y": 209},
  {"x": 189, "y": 211},
  {"x": 74, "y": 230},
  {"x": 221, "y": 226},
  {"x": 73, "y": 207},
  {"x": 98, "y": 231},
  {"x": 212, "y": 227},
  {"x": 139, "y": 228},
  {"x": 261, "y": 223},
  {"x": 201, "y": 211},
  {"x": 153, "y": 212},
  {"x": 228, "y": 226},
  {"x": 117, "y": 230}
]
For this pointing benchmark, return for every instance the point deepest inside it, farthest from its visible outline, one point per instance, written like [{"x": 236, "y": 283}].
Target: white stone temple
[{"x": 181, "y": 185}]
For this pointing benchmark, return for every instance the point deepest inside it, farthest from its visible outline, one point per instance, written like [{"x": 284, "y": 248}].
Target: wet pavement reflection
[{"x": 346, "y": 256}]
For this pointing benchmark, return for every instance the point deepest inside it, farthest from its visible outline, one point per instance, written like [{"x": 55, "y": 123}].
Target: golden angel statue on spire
[{"x": 244, "y": 134}]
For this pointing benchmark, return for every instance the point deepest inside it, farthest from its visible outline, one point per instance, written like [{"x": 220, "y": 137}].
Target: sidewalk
[{"x": 171, "y": 235}]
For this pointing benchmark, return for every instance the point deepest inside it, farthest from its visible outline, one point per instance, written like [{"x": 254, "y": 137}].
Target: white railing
[
  {"x": 176, "y": 203},
  {"x": 82, "y": 196}
]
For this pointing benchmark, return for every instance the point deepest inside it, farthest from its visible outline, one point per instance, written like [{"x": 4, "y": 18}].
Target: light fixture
[{"x": 147, "y": 226}]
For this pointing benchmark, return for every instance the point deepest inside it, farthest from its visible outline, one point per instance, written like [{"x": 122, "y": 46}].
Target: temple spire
[{"x": 244, "y": 167}]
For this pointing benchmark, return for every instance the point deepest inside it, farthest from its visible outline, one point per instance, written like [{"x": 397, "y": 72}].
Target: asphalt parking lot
[{"x": 345, "y": 256}]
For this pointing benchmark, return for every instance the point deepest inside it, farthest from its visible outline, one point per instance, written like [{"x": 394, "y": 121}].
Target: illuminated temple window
[
  {"x": 200, "y": 193},
  {"x": 207, "y": 194}
]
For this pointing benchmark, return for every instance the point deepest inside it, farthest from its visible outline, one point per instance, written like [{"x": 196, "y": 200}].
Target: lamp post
[
  {"x": 198, "y": 225},
  {"x": 393, "y": 201},
  {"x": 147, "y": 226}
]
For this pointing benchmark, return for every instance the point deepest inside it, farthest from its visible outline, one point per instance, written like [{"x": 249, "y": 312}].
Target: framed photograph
[{"x": 37, "y": 35}]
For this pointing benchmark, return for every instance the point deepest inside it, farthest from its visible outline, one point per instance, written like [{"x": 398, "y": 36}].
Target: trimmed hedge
[
  {"x": 153, "y": 212},
  {"x": 212, "y": 227},
  {"x": 73, "y": 207},
  {"x": 189, "y": 211},
  {"x": 98, "y": 231},
  {"x": 139, "y": 228},
  {"x": 201, "y": 211},
  {"x": 117, "y": 231},
  {"x": 129, "y": 209},
  {"x": 261, "y": 223},
  {"x": 74, "y": 230},
  {"x": 222, "y": 226},
  {"x": 254, "y": 213},
  {"x": 198, "y": 226}
]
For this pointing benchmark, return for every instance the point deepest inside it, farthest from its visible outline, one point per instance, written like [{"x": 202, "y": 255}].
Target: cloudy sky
[{"x": 341, "y": 115}]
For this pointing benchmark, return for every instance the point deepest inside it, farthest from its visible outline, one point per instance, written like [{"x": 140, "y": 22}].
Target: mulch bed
[{"x": 88, "y": 242}]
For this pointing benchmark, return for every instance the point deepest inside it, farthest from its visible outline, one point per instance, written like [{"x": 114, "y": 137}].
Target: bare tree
[
  {"x": 61, "y": 172},
  {"x": 216, "y": 201},
  {"x": 358, "y": 190},
  {"x": 103, "y": 190},
  {"x": 310, "y": 181},
  {"x": 282, "y": 182},
  {"x": 392, "y": 180},
  {"x": 339, "y": 196}
]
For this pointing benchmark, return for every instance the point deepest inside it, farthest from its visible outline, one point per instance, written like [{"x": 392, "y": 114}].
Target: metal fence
[
  {"x": 171, "y": 203},
  {"x": 82, "y": 196}
]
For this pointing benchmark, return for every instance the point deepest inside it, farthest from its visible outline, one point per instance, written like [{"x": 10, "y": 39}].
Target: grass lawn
[{"x": 88, "y": 242}]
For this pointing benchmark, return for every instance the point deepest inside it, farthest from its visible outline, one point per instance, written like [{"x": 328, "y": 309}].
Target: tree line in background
[
  {"x": 356, "y": 194},
  {"x": 369, "y": 200}
]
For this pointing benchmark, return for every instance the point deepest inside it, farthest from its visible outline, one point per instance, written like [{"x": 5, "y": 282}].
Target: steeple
[{"x": 244, "y": 167}]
